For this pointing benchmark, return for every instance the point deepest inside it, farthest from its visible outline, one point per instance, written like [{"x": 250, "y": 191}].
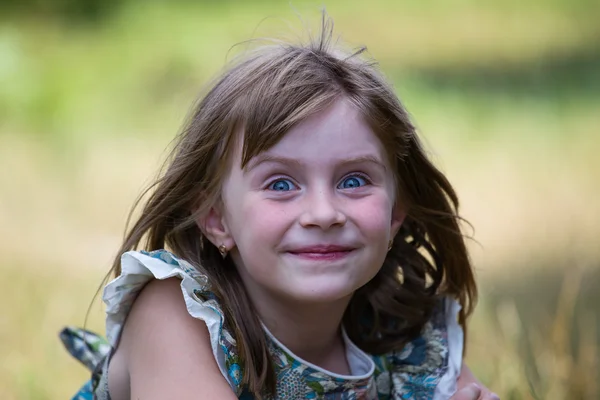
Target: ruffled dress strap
[{"x": 139, "y": 268}]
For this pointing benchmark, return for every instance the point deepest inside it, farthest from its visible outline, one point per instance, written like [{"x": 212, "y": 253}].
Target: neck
[{"x": 310, "y": 331}]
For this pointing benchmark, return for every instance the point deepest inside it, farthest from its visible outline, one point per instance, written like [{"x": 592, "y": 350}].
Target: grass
[
  {"x": 506, "y": 95},
  {"x": 543, "y": 327},
  {"x": 39, "y": 299}
]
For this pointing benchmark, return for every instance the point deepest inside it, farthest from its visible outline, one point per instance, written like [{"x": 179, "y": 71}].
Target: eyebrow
[{"x": 268, "y": 158}]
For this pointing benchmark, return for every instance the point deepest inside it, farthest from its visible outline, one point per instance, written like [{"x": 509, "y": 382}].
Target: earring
[
  {"x": 223, "y": 250},
  {"x": 390, "y": 243}
]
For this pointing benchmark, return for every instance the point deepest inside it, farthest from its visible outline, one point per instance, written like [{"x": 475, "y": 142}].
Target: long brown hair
[{"x": 267, "y": 92}]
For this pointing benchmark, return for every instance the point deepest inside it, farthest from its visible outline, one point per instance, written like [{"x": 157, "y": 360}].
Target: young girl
[{"x": 314, "y": 250}]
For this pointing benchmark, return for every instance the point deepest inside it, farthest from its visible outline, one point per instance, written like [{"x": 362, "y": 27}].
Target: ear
[
  {"x": 398, "y": 216},
  {"x": 214, "y": 226}
]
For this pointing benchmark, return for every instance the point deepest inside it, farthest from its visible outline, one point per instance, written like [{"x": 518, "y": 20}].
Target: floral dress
[{"x": 426, "y": 368}]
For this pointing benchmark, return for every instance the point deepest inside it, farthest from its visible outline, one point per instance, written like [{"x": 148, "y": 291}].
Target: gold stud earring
[
  {"x": 223, "y": 250},
  {"x": 390, "y": 244}
]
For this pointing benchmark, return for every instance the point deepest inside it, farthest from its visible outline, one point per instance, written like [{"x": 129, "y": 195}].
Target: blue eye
[
  {"x": 352, "y": 182},
  {"x": 281, "y": 185}
]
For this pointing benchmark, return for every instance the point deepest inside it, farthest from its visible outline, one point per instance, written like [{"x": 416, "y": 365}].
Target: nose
[{"x": 322, "y": 210}]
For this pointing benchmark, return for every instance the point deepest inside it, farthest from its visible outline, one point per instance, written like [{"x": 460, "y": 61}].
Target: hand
[
  {"x": 469, "y": 388},
  {"x": 474, "y": 392}
]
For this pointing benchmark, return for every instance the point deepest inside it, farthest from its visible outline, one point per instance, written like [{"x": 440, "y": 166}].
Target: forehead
[{"x": 337, "y": 133}]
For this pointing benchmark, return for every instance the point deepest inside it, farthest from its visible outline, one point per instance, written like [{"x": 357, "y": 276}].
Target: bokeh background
[{"x": 505, "y": 92}]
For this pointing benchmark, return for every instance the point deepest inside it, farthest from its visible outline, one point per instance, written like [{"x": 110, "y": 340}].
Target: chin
[{"x": 323, "y": 292}]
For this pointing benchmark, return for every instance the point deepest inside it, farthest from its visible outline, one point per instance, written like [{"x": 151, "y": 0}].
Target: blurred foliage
[
  {"x": 59, "y": 77},
  {"x": 65, "y": 10}
]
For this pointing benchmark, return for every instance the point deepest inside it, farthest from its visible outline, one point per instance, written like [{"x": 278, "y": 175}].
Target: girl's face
[{"x": 311, "y": 217}]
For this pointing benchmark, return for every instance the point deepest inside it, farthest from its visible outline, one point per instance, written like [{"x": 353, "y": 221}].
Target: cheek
[
  {"x": 374, "y": 216},
  {"x": 259, "y": 230},
  {"x": 263, "y": 221}
]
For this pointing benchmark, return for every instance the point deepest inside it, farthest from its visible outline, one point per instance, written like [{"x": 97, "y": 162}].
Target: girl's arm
[{"x": 165, "y": 351}]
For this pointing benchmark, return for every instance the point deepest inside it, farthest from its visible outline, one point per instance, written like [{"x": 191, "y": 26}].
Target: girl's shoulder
[{"x": 139, "y": 268}]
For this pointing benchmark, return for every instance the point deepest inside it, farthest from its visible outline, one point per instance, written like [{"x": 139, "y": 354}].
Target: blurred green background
[{"x": 505, "y": 93}]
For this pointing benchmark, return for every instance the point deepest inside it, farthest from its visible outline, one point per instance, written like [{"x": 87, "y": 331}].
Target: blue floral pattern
[
  {"x": 415, "y": 371},
  {"x": 296, "y": 380}
]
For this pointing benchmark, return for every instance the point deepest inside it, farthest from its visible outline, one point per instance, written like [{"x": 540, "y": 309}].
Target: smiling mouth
[
  {"x": 327, "y": 253},
  {"x": 330, "y": 256}
]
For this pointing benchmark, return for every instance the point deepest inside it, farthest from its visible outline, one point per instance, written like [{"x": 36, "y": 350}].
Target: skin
[{"x": 307, "y": 223}]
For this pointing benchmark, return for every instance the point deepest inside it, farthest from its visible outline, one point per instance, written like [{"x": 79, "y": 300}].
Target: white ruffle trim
[{"x": 137, "y": 269}]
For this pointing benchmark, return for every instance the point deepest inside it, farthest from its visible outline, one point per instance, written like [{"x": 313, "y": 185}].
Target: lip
[
  {"x": 321, "y": 248},
  {"x": 328, "y": 252}
]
